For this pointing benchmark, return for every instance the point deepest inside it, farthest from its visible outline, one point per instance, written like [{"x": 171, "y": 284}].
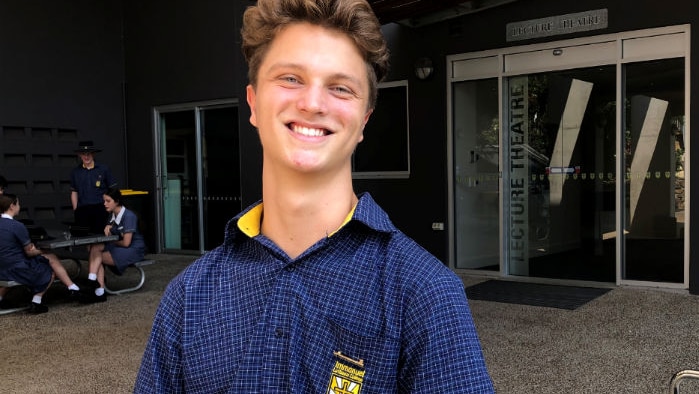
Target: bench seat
[
  {"x": 138, "y": 266},
  {"x": 11, "y": 283},
  {"x": 78, "y": 254}
]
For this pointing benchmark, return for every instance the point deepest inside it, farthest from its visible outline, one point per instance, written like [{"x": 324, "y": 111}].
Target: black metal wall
[
  {"x": 61, "y": 78},
  {"x": 67, "y": 66}
]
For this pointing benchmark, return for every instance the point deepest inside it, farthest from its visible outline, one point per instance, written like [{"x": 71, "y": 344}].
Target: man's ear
[
  {"x": 251, "y": 98},
  {"x": 368, "y": 114},
  {"x": 366, "y": 119}
]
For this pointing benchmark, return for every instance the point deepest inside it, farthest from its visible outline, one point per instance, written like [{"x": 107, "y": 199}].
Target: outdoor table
[
  {"x": 76, "y": 241},
  {"x": 63, "y": 248}
]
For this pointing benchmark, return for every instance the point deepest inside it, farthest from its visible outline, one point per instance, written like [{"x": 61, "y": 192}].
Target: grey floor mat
[{"x": 550, "y": 296}]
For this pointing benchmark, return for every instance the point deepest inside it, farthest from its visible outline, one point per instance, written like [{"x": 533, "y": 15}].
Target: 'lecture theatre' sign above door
[{"x": 555, "y": 25}]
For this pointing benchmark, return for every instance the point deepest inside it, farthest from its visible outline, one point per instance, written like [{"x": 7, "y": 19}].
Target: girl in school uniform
[
  {"x": 117, "y": 255},
  {"x": 21, "y": 261}
]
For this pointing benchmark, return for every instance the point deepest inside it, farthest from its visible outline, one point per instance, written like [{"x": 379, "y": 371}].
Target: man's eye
[{"x": 342, "y": 90}]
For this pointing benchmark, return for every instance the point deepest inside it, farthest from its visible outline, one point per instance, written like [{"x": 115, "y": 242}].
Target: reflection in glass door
[
  {"x": 220, "y": 171},
  {"x": 561, "y": 184},
  {"x": 593, "y": 157},
  {"x": 654, "y": 164},
  {"x": 178, "y": 141},
  {"x": 199, "y": 175},
  {"x": 476, "y": 174}
]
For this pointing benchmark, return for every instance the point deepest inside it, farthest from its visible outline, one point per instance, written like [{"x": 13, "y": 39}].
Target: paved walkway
[
  {"x": 629, "y": 340},
  {"x": 626, "y": 341}
]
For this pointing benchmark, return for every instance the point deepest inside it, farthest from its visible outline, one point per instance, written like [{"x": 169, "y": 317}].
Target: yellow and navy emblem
[{"x": 347, "y": 375}]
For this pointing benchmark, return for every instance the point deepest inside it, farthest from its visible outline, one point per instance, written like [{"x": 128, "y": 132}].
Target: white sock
[
  {"x": 92, "y": 276},
  {"x": 36, "y": 299},
  {"x": 99, "y": 291},
  {"x": 73, "y": 287}
]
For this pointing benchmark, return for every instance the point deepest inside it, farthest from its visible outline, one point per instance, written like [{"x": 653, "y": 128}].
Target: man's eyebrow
[
  {"x": 276, "y": 66},
  {"x": 351, "y": 78},
  {"x": 335, "y": 76}
]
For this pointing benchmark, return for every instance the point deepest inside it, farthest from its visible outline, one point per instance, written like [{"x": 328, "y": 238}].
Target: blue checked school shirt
[{"x": 364, "y": 310}]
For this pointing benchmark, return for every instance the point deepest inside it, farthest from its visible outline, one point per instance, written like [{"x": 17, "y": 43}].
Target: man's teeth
[{"x": 309, "y": 131}]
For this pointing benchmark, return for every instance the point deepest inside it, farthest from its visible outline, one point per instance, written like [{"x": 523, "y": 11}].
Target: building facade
[{"x": 541, "y": 140}]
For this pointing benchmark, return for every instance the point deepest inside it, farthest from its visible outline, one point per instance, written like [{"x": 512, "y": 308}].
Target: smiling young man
[{"x": 314, "y": 290}]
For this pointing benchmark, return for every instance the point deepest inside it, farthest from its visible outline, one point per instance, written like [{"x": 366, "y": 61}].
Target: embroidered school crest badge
[{"x": 347, "y": 375}]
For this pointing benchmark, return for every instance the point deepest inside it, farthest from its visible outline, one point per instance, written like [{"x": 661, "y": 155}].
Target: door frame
[
  {"x": 160, "y": 177},
  {"x": 620, "y": 48}
]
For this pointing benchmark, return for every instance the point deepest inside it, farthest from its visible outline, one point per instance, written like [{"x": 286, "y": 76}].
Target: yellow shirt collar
[{"x": 250, "y": 222}]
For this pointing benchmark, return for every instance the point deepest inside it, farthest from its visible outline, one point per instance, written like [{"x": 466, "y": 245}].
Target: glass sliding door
[
  {"x": 178, "y": 156},
  {"x": 560, "y": 187},
  {"x": 573, "y": 156},
  {"x": 654, "y": 188},
  {"x": 220, "y": 171},
  {"x": 199, "y": 174},
  {"x": 476, "y": 174}
]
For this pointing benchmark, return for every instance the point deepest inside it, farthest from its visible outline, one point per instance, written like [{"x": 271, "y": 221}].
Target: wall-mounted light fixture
[{"x": 423, "y": 68}]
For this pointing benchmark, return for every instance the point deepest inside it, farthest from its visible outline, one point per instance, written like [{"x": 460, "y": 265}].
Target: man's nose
[{"x": 313, "y": 99}]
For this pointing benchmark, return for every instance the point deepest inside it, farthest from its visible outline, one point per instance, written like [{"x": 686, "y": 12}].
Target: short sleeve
[{"x": 129, "y": 222}]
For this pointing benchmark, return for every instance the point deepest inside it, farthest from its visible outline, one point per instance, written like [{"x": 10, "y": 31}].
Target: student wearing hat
[{"x": 88, "y": 183}]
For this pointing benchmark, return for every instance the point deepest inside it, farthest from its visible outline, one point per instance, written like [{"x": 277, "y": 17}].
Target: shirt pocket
[{"x": 376, "y": 353}]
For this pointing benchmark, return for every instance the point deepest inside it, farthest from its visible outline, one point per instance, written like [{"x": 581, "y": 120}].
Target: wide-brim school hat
[{"x": 87, "y": 146}]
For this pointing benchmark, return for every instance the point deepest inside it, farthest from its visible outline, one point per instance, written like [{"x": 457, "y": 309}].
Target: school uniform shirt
[
  {"x": 364, "y": 310},
  {"x": 91, "y": 184},
  {"x": 124, "y": 222},
  {"x": 34, "y": 272}
]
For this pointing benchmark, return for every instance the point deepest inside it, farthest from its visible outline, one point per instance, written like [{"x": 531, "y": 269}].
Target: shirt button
[
  {"x": 279, "y": 333},
  {"x": 290, "y": 268}
]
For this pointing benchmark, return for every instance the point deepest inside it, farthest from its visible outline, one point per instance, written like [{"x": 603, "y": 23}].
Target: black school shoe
[
  {"x": 75, "y": 295},
  {"x": 89, "y": 284},
  {"x": 36, "y": 309},
  {"x": 92, "y": 298}
]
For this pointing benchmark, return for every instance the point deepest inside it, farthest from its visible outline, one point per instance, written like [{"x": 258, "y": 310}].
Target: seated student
[
  {"x": 118, "y": 255},
  {"x": 22, "y": 262}
]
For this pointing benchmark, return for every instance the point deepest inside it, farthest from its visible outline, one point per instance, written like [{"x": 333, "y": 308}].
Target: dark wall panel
[
  {"x": 60, "y": 81},
  {"x": 179, "y": 52},
  {"x": 64, "y": 80}
]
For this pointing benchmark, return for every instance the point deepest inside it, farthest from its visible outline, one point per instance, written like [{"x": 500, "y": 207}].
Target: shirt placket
[{"x": 276, "y": 362}]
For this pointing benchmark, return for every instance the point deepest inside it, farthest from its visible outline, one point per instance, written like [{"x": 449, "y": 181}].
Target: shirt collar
[
  {"x": 366, "y": 211},
  {"x": 6, "y": 216},
  {"x": 117, "y": 219},
  {"x": 249, "y": 222}
]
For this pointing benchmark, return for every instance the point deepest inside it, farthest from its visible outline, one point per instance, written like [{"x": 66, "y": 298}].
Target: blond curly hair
[{"x": 261, "y": 24}]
